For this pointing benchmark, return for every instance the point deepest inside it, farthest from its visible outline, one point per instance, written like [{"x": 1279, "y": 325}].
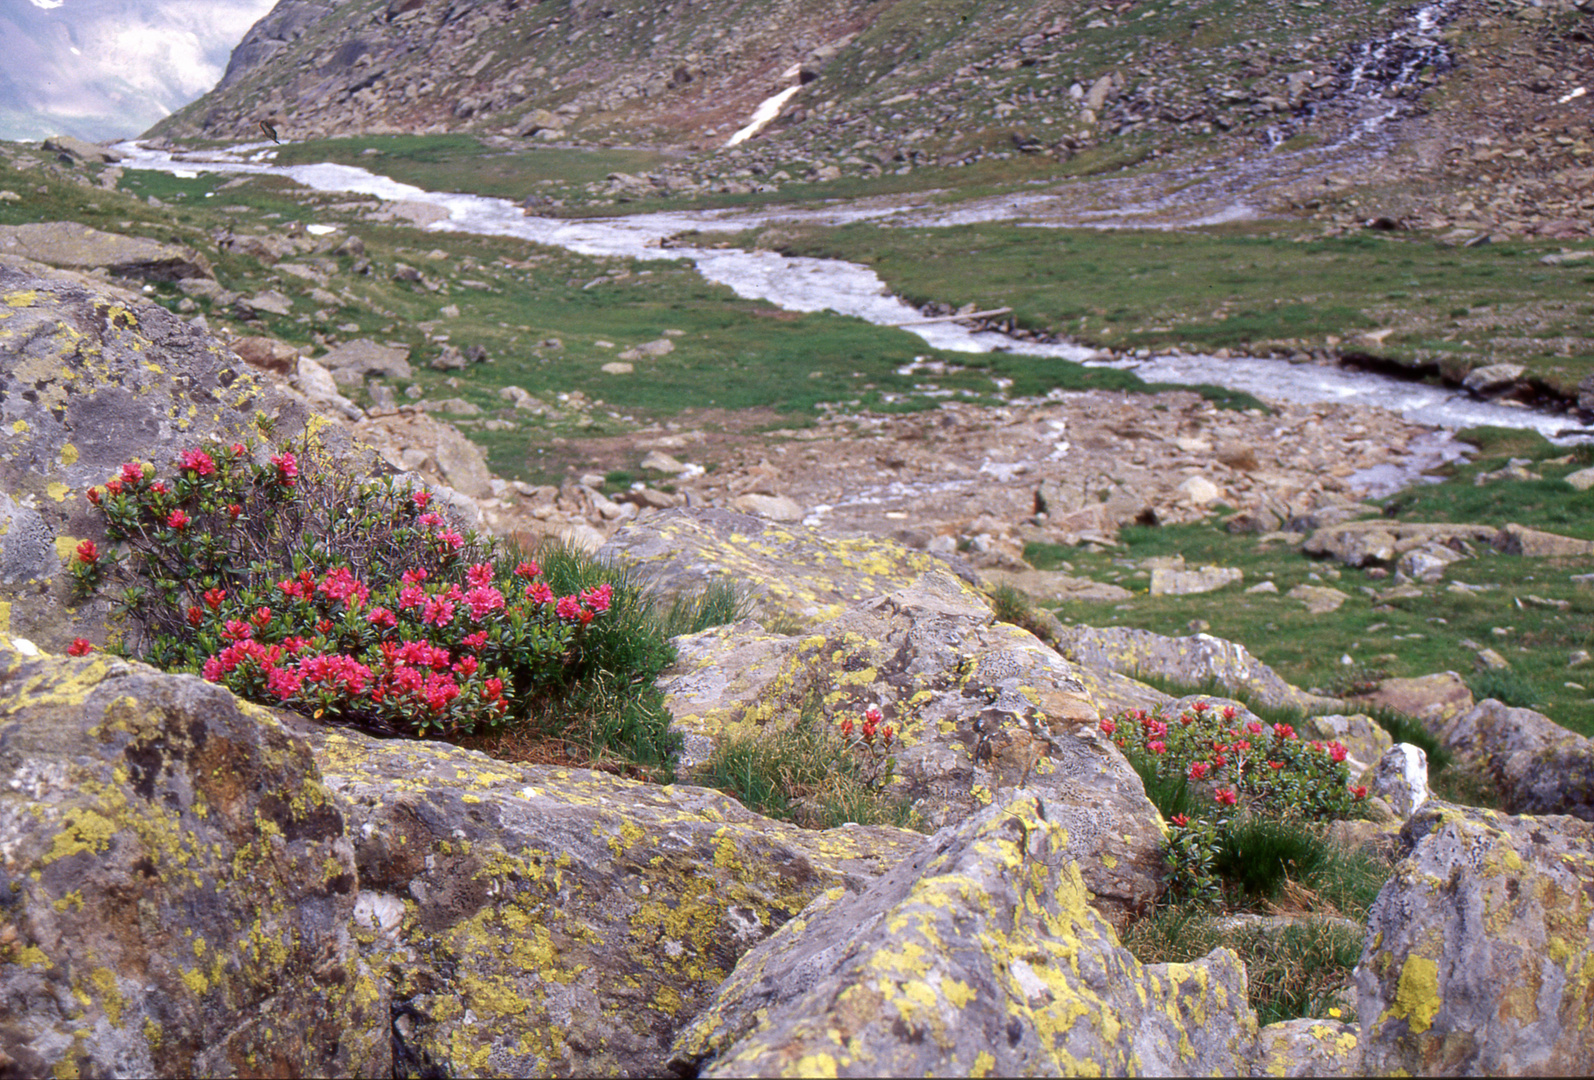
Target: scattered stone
[
  {"x": 1401, "y": 778},
  {"x": 1492, "y": 378},
  {"x": 365, "y": 357},
  {"x": 1263, "y": 587},
  {"x": 1536, "y": 766},
  {"x": 1319, "y": 599},
  {"x": 659, "y": 461},
  {"x": 267, "y": 354},
  {"x": 661, "y": 347},
  {"x": 1516, "y": 540},
  {"x": 80, "y": 149},
  {"x": 1189, "y": 660},
  {"x": 617, "y": 368},
  {"x": 1431, "y": 699},
  {"x": 1582, "y": 480},
  {"x": 1170, "y": 582},
  {"x": 774, "y": 507},
  {"x": 1199, "y": 491},
  {"x": 270, "y": 301}
]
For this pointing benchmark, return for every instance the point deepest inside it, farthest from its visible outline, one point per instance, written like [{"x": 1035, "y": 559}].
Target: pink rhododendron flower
[
  {"x": 197, "y": 461},
  {"x": 439, "y": 611},
  {"x": 1180, "y": 820},
  {"x": 381, "y": 618},
  {"x": 411, "y": 596},
  {"x": 421, "y": 498},
  {"x": 1337, "y": 752},
  {"x": 177, "y": 520},
  {"x": 1254, "y": 727},
  {"x": 287, "y": 467},
  {"x": 1199, "y": 770},
  {"x": 88, "y": 551},
  {"x": 598, "y": 599},
  {"x": 528, "y": 570},
  {"x": 479, "y": 575},
  {"x": 132, "y": 473},
  {"x": 483, "y": 601},
  {"x": 1108, "y": 727},
  {"x": 567, "y": 608},
  {"x": 1225, "y": 796},
  {"x": 1157, "y": 746},
  {"x": 539, "y": 593},
  {"x": 413, "y": 577}
]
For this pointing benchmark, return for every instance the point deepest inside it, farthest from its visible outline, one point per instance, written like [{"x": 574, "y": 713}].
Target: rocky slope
[{"x": 1494, "y": 132}]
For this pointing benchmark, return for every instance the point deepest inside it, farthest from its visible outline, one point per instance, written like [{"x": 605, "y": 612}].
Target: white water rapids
[{"x": 804, "y": 284}]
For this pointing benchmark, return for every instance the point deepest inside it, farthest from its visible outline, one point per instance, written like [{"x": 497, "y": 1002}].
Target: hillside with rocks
[{"x": 1497, "y": 134}]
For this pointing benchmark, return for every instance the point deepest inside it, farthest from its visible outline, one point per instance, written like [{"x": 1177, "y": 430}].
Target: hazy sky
[{"x": 103, "y": 69}]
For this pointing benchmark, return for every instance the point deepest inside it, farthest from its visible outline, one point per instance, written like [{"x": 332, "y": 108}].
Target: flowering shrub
[
  {"x": 1209, "y": 772},
  {"x": 869, "y": 746},
  {"x": 354, "y": 602}
]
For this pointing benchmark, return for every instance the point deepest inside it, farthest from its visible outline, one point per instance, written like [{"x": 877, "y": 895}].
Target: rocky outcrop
[
  {"x": 979, "y": 708},
  {"x": 538, "y": 921},
  {"x": 980, "y": 955},
  {"x": 179, "y": 885},
  {"x": 72, "y": 246},
  {"x": 87, "y": 383},
  {"x": 790, "y": 572},
  {"x": 1479, "y": 949}
]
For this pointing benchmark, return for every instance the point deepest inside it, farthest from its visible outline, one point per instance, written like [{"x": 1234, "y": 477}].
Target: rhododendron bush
[
  {"x": 355, "y": 601},
  {"x": 1210, "y": 768}
]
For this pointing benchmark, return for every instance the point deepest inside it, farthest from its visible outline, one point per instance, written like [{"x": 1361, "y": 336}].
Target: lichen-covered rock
[
  {"x": 87, "y": 383},
  {"x": 1480, "y": 951},
  {"x": 1191, "y": 660},
  {"x": 176, "y": 889},
  {"x": 538, "y": 921},
  {"x": 1431, "y": 699},
  {"x": 794, "y": 572},
  {"x": 979, "y": 956},
  {"x": 1307, "y": 1047},
  {"x": 979, "y": 707},
  {"x": 72, "y": 246},
  {"x": 1536, "y": 765}
]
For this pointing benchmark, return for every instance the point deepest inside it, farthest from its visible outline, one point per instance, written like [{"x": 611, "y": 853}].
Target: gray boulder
[
  {"x": 979, "y": 955},
  {"x": 1479, "y": 949},
  {"x": 363, "y": 357},
  {"x": 1536, "y": 765},
  {"x": 71, "y": 246},
  {"x": 1190, "y": 660},
  {"x": 178, "y": 885},
  {"x": 979, "y": 708},
  {"x": 80, "y": 149},
  {"x": 541, "y": 921},
  {"x": 86, "y": 383}
]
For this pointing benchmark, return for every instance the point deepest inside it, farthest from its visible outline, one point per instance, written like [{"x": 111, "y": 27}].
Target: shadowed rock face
[{"x": 176, "y": 887}]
